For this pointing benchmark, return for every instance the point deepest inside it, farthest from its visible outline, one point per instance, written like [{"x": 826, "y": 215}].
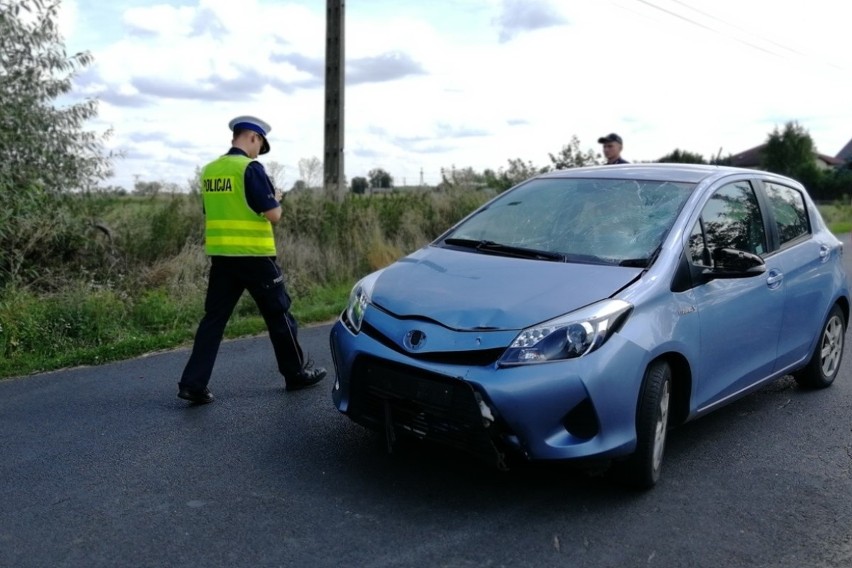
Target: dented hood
[{"x": 470, "y": 290}]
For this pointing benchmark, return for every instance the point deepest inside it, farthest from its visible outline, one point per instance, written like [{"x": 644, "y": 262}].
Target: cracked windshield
[{"x": 581, "y": 220}]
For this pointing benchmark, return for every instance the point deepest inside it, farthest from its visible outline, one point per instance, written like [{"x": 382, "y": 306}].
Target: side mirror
[{"x": 733, "y": 263}]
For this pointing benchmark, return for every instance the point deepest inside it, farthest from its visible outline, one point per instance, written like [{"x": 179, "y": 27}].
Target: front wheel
[
  {"x": 825, "y": 359},
  {"x": 642, "y": 469}
]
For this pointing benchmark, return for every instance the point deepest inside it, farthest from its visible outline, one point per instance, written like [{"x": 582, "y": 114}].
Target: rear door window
[{"x": 788, "y": 208}]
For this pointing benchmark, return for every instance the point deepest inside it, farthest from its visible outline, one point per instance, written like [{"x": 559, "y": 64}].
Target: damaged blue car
[{"x": 581, "y": 314}]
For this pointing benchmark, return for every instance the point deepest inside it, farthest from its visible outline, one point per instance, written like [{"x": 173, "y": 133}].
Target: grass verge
[{"x": 100, "y": 329}]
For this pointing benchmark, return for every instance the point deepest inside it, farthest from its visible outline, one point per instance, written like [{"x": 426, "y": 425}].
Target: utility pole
[{"x": 335, "y": 178}]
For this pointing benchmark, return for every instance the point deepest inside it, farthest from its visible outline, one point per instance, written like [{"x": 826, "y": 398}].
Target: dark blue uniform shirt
[{"x": 260, "y": 194}]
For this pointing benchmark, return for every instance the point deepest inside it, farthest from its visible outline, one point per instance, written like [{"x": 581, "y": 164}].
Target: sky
[{"x": 457, "y": 83}]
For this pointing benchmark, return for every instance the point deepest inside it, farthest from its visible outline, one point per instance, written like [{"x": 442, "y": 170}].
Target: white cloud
[
  {"x": 473, "y": 83},
  {"x": 161, "y": 21}
]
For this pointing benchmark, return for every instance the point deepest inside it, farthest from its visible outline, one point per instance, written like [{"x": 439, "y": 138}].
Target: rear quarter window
[{"x": 788, "y": 208}]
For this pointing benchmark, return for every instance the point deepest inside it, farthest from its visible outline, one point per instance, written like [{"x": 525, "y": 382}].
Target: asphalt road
[{"x": 104, "y": 466}]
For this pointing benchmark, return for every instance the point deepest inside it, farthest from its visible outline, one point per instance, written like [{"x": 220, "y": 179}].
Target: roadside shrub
[
  {"x": 158, "y": 227},
  {"x": 51, "y": 324},
  {"x": 837, "y": 215},
  {"x": 158, "y": 310}
]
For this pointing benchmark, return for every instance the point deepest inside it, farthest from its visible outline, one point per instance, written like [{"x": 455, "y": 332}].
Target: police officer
[{"x": 240, "y": 206}]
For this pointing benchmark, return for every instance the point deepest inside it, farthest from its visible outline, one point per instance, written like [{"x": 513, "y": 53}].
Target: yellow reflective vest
[{"x": 231, "y": 228}]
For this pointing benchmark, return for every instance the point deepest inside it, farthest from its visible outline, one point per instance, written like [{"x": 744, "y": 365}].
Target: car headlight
[
  {"x": 569, "y": 336},
  {"x": 359, "y": 299}
]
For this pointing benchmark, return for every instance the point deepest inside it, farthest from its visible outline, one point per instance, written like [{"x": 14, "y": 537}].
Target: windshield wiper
[
  {"x": 642, "y": 262},
  {"x": 506, "y": 250},
  {"x": 637, "y": 262}
]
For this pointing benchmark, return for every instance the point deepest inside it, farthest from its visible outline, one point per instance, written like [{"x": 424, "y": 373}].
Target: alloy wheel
[{"x": 832, "y": 346}]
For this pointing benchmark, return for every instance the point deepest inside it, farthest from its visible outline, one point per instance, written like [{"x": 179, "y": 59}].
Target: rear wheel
[
  {"x": 642, "y": 469},
  {"x": 825, "y": 360}
]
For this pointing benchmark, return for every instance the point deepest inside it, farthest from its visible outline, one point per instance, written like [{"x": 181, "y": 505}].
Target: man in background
[{"x": 612, "y": 145}]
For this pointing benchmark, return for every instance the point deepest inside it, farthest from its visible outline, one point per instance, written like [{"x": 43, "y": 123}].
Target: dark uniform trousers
[{"x": 229, "y": 277}]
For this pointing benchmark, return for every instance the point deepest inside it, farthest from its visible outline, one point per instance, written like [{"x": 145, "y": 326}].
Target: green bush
[
  {"x": 157, "y": 311},
  {"x": 155, "y": 228},
  {"x": 838, "y": 216},
  {"x": 50, "y": 324}
]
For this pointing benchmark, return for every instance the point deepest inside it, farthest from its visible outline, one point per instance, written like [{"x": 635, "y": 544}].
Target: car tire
[
  {"x": 642, "y": 469},
  {"x": 825, "y": 360}
]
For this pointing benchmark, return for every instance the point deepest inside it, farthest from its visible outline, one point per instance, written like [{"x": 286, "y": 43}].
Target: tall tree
[
  {"x": 790, "y": 152},
  {"x": 44, "y": 147},
  {"x": 310, "y": 170},
  {"x": 379, "y": 178},
  {"x": 46, "y": 152},
  {"x": 570, "y": 156},
  {"x": 359, "y": 185},
  {"x": 276, "y": 172},
  {"x": 678, "y": 156},
  {"x": 517, "y": 172}
]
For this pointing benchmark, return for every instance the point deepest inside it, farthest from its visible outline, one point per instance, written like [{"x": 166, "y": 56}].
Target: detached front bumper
[{"x": 574, "y": 409}]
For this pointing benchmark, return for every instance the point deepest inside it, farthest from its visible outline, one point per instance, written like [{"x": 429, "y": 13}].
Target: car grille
[
  {"x": 476, "y": 358},
  {"x": 404, "y": 401}
]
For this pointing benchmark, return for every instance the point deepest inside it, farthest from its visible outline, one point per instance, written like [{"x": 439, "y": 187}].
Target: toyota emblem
[{"x": 414, "y": 340}]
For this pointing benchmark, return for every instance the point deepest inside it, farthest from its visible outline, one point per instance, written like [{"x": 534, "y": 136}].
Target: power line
[
  {"x": 708, "y": 28},
  {"x": 712, "y": 17},
  {"x": 750, "y": 32},
  {"x": 695, "y": 22}
]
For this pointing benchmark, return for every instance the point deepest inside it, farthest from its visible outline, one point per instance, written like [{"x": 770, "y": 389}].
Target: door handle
[{"x": 774, "y": 278}]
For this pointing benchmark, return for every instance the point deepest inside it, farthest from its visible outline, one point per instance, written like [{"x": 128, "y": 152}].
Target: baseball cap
[{"x": 611, "y": 137}]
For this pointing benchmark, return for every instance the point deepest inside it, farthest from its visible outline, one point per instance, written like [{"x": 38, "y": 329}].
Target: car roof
[{"x": 688, "y": 173}]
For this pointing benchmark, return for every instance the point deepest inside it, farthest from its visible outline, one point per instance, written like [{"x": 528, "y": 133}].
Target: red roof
[{"x": 751, "y": 158}]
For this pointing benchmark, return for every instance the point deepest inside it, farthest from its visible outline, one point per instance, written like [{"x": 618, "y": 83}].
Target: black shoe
[
  {"x": 308, "y": 377},
  {"x": 197, "y": 397}
]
